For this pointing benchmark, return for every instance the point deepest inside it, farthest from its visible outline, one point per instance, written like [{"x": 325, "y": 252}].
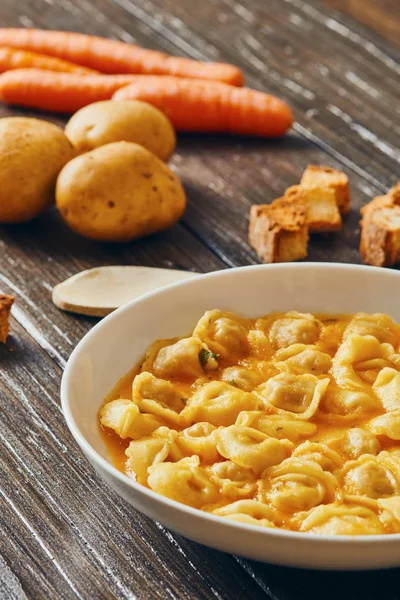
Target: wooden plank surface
[
  {"x": 66, "y": 535},
  {"x": 382, "y": 16}
]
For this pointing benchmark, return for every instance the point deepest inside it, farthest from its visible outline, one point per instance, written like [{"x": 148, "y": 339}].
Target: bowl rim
[{"x": 189, "y": 511}]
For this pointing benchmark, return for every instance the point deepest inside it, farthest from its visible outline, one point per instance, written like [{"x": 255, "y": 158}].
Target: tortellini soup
[{"x": 288, "y": 421}]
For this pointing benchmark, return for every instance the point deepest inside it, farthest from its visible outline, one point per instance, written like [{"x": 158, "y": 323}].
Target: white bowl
[{"x": 118, "y": 342}]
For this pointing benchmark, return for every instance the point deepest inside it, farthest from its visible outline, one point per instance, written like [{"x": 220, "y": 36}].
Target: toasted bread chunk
[
  {"x": 377, "y": 202},
  {"x": 6, "y": 303},
  {"x": 394, "y": 193},
  {"x": 278, "y": 232},
  {"x": 380, "y": 229},
  {"x": 320, "y": 204},
  {"x": 322, "y": 177}
]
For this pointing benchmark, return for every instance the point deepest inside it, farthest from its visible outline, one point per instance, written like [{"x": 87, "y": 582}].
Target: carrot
[
  {"x": 12, "y": 58},
  {"x": 58, "y": 92},
  {"x": 190, "y": 104},
  {"x": 112, "y": 56},
  {"x": 206, "y": 106}
]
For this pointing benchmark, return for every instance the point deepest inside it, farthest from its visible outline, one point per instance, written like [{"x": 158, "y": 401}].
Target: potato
[
  {"x": 119, "y": 192},
  {"x": 129, "y": 121},
  {"x": 32, "y": 153}
]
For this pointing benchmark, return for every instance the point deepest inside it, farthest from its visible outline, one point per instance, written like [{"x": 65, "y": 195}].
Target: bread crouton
[
  {"x": 380, "y": 229},
  {"x": 320, "y": 204},
  {"x": 6, "y": 303},
  {"x": 278, "y": 232},
  {"x": 323, "y": 177},
  {"x": 394, "y": 193}
]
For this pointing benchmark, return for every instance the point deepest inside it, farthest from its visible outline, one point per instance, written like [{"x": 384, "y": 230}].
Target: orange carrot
[
  {"x": 58, "y": 92},
  {"x": 12, "y": 58},
  {"x": 208, "y": 106},
  {"x": 112, "y": 56},
  {"x": 190, "y": 104}
]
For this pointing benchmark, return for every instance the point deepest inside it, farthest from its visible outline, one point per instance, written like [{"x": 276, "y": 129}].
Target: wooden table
[{"x": 65, "y": 534}]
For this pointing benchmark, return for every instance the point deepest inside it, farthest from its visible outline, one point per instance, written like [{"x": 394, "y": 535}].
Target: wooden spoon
[{"x": 97, "y": 292}]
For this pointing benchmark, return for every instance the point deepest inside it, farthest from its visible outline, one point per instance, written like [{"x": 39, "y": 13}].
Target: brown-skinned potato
[
  {"x": 119, "y": 192},
  {"x": 106, "y": 122},
  {"x": 32, "y": 153}
]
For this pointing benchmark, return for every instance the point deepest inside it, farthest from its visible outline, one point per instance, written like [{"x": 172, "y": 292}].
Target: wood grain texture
[
  {"x": 382, "y": 16},
  {"x": 37, "y": 256},
  {"x": 66, "y": 535}
]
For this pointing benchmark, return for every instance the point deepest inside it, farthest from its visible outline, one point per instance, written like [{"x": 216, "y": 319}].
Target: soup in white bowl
[{"x": 287, "y": 535}]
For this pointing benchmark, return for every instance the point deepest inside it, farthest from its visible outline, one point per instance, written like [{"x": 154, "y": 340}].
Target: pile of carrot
[{"x": 62, "y": 72}]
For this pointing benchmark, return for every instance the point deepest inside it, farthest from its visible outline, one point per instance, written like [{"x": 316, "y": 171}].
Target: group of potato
[{"x": 106, "y": 171}]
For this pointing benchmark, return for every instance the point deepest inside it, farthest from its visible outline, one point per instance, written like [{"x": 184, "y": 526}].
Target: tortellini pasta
[
  {"x": 297, "y": 485},
  {"x": 294, "y": 328},
  {"x": 144, "y": 453},
  {"x": 277, "y": 426},
  {"x": 372, "y": 476},
  {"x": 259, "y": 344},
  {"x": 147, "y": 387},
  {"x": 301, "y": 359},
  {"x": 188, "y": 357},
  {"x": 124, "y": 417},
  {"x": 359, "y": 360},
  {"x": 199, "y": 439},
  {"x": 297, "y": 395},
  {"x": 242, "y": 378},
  {"x": 288, "y": 421},
  {"x": 219, "y": 403},
  {"x": 223, "y": 333},
  {"x": 390, "y": 513},
  {"x": 157, "y": 397},
  {"x": 170, "y": 436},
  {"x": 232, "y": 480},
  {"x": 340, "y": 519},
  {"x": 248, "y": 511},
  {"x": 344, "y": 403},
  {"x": 387, "y": 388},
  {"x": 325, "y": 457},
  {"x": 184, "y": 481},
  {"x": 387, "y": 424},
  {"x": 355, "y": 442},
  {"x": 250, "y": 448},
  {"x": 380, "y": 326}
]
